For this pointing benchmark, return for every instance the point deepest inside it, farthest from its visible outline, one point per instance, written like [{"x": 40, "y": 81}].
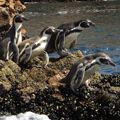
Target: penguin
[
  {"x": 34, "y": 46},
  {"x": 18, "y": 20},
  {"x": 67, "y": 36},
  {"x": 12, "y": 39},
  {"x": 55, "y": 43},
  {"x": 72, "y": 31},
  {"x": 82, "y": 71}
]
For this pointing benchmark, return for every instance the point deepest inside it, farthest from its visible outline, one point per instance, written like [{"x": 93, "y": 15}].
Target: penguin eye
[
  {"x": 84, "y": 24},
  {"x": 18, "y": 19},
  {"x": 49, "y": 31},
  {"x": 103, "y": 61}
]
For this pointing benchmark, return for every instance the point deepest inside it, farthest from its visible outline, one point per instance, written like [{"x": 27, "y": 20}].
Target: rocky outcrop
[
  {"x": 8, "y": 8},
  {"x": 39, "y": 89}
]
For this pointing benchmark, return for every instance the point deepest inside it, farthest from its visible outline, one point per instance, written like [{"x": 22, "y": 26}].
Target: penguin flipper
[
  {"x": 25, "y": 57},
  {"x": 5, "y": 49},
  {"x": 77, "y": 80},
  {"x": 15, "y": 51},
  {"x": 8, "y": 51},
  {"x": 28, "y": 54},
  {"x": 23, "y": 49},
  {"x": 60, "y": 45}
]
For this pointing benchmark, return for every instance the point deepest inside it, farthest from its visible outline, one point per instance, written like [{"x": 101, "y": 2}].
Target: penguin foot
[
  {"x": 45, "y": 66},
  {"x": 88, "y": 86},
  {"x": 46, "y": 56}
]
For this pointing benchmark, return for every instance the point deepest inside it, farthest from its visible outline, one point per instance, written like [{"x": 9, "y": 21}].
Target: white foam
[{"x": 26, "y": 116}]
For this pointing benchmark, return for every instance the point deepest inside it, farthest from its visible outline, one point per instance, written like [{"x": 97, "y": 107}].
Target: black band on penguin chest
[
  {"x": 72, "y": 31},
  {"x": 36, "y": 45},
  {"x": 90, "y": 66}
]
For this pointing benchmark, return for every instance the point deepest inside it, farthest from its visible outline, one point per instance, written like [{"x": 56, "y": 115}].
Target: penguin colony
[{"x": 52, "y": 39}]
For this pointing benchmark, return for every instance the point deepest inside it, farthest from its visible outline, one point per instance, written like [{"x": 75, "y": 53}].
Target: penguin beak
[
  {"x": 24, "y": 18},
  {"x": 92, "y": 24},
  {"x": 111, "y": 63}
]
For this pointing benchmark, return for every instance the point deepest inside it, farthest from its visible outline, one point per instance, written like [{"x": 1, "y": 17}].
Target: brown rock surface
[
  {"x": 8, "y": 8},
  {"x": 38, "y": 89},
  {"x": 2, "y": 2},
  {"x": 27, "y": 81}
]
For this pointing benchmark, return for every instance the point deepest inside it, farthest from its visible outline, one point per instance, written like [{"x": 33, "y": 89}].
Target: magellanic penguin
[
  {"x": 12, "y": 39},
  {"x": 82, "y": 71},
  {"x": 67, "y": 36},
  {"x": 34, "y": 46}
]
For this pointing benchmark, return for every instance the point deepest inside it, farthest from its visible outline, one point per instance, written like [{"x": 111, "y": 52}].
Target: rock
[
  {"x": 8, "y": 8},
  {"x": 56, "y": 70},
  {"x": 2, "y": 2},
  {"x": 55, "y": 80},
  {"x": 39, "y": 89},
  {"x": 19, "y": 6},
  {"x": 66, "y": 62}
]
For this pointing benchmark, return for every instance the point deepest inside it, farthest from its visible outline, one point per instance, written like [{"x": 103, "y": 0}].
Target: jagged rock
[
  {"x": 28, "y": 81},
  {"x": 55, "y": 80},
  {"x": 8, "y": 8},
  {"x": 56, "y": 70},
  {"x": 2, "y": 2}
]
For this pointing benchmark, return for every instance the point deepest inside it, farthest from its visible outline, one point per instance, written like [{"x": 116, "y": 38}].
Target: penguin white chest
[
  {"x": 19, "y": 39},
  {"x": 70, "y": 39},
  {"x": 18, "y": 35},
  {"x": 90, "y": 72},
  {"x": 42, "y": 43},
  {"x": 72, "y": 36},
  {"x": 42, "y": 46},
  {"x": 39, "y": 49}
]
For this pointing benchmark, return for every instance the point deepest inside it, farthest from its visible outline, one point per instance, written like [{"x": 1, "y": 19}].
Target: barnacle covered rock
[{"x": 39, "y": 89}]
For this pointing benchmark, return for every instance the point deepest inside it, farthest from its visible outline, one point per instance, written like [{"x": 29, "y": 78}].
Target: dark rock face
[{"x": 38, "y": 89}]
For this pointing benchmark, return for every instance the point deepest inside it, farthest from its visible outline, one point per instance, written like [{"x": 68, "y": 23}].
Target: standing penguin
[
  {"x": 12, "y": 39},
  {"x": 67, "y": 36},
  {"x": 82, "y": 71},
  {"x": 34, "y": 46},
  {"x": 72, "y": 30}
]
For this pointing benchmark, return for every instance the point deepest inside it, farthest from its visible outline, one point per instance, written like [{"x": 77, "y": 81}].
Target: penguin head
[
  {"x": 50, "y": 30},
  {"x": 84, "y": 23},
  {"x": 19, "y": 18},
  {"x": 104, "y": 59}
]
